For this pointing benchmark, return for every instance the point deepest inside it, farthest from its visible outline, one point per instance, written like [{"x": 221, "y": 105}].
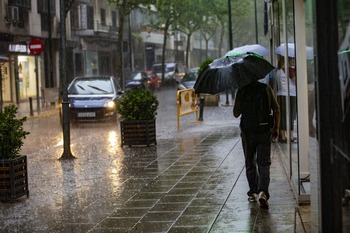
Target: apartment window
[
  {"x": 114, "y": 18},
  {"x": 103, "y": 17},
  {"x": 45, "y": 22},
  {"x": 44, "y": 5},
  {"x": 90, "y": 17},
  {"x": 74, "y": 18},
  {"x": 79, "y": 64}
]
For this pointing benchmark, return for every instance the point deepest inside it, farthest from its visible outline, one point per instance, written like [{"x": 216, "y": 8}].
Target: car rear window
[
  {"x": 88, "y": 86},
  {"x": 190, "y": 76}
]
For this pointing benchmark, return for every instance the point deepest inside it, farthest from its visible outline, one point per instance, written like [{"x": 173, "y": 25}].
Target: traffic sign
[{"x": 35, "y": 46}]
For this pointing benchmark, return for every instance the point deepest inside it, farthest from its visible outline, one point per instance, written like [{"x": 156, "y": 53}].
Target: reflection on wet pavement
[{"x": 192, "y": 181}]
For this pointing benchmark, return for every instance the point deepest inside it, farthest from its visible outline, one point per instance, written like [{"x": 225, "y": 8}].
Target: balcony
[
  {"x": 83, "y": 32},
  {"x": 101, "y": 29},
  {"x": 113, "y": 28},
  {"x": 155, "y": 38},
  {"x": 27, "y": 4},
  {"x": 102, "y": 26}
]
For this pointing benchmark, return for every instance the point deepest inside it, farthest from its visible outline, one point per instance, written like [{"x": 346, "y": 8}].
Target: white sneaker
[
  {"x": 253, "y": 197},
  {"x": 263, "y": 200}
]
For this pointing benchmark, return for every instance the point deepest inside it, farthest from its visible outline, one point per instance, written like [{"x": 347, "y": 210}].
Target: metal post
[
  {"x": 67, "y": 154},
  {"x": 37, "y": 84},
  {"x": 201, "y": 108},
  {"x": 229, "y": 24},
  {"x": 51, "y": 82},
  {"x": 17, "y": 80},
  {"x": 229, "y": 37},
  {"x": 256, "y": 23},
  {"x": 31, "y": 106},
  {"x": 227, "y": 101}
]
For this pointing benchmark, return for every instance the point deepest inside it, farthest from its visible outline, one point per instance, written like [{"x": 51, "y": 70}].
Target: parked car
[
  {"x": 154, "y": 81},
  {"x": 173, "y": 71},
  {"x": 189, "y": 79},
  {"x": 139, "y": 79},
  {"x": 146, "y": 79},
  {"x": 93, "y": 98}
]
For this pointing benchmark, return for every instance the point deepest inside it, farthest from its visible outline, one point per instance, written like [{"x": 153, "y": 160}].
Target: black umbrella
[{"x": 232, "y": 71}]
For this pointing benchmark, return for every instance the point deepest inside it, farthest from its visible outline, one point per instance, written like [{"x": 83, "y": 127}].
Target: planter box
[
  {"x": 13, "y": 179},
  {"x": 211, "y": 100},
  {"x": 138, "y": 133}
]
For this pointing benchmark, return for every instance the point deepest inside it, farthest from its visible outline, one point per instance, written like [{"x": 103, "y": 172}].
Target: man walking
[{"x": 260, "y": 119}]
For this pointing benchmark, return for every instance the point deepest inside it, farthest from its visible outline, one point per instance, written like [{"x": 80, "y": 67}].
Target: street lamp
[
  {"x": 256, "y": 23},
  {"x": 67, "y": 154},
  {"x": 229, "y": 24},
  {"x": 229, "y": 37}
]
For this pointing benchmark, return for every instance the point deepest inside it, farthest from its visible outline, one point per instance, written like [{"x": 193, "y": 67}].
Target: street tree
[
  {"x": 243, "y": 25},
  {"x": 167, "y": 13},
  {"x": 218, "y": 11},
  {"x": 191, "y": 21},
  {"x": 124, "y": 8},
  {"x": 208, "y": 31}
]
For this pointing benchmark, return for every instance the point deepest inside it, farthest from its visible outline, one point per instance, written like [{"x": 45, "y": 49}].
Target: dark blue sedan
[{"x": 93, "y": 98}]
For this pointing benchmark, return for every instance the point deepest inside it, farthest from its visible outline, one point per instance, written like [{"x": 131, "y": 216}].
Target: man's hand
[{"x": 275, "y": 132}]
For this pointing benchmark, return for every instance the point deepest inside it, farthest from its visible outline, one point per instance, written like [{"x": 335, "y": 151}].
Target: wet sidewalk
[{"x": 192, "y": 181}]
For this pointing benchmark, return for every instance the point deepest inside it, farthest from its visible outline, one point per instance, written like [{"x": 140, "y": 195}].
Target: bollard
[
  {"x": 201, "y": 107},
  {"x": 31, "y": 106}
]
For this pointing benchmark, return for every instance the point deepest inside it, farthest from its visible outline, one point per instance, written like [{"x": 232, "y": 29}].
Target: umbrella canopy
[
  {"x": 291, "y": 51},
  {"x": 229, "y": 72},
  {"x": 254, "y": 48}
]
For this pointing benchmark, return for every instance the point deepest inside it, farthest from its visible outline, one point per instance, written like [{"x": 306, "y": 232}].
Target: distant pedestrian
[
  {"x": 283, "y": 84},
  {"x": 260, "y": 118}
]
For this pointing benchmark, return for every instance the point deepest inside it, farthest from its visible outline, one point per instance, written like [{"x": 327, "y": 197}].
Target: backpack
[{"x": 256, "y": 108}]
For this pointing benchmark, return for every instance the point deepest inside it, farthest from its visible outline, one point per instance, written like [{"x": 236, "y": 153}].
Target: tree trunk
[
  {"x": 188, "y": 48},
  {"x": 164, "y": 49},
  {"x": 120, "y": 52},
  {"x": 222, "y": 34}
]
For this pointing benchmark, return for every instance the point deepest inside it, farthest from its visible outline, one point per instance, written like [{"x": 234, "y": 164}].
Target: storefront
[
  {"x": 294, "y": 53},
  {"x": 318, "y": 162},
  {"x": 18, "y": 73}
]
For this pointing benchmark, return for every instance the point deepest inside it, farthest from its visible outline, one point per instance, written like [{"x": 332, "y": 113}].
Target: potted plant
[
  {"x": 13, "y": 165},
  {"x": 138, "y": 111}
]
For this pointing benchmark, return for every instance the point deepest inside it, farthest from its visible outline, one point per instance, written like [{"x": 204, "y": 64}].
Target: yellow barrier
[{"x": 186, "y": 104}]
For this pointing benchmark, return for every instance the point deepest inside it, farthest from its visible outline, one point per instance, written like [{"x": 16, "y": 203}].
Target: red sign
[{"x": 35, "y": 46}]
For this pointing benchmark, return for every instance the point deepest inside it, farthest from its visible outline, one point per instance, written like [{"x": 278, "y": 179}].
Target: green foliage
[
  {"x": 138, "y": 104},
  {"x": 205, "y": 64},
  {"x": 126, "y": 6},
  {"x": 12, "y": 133}
]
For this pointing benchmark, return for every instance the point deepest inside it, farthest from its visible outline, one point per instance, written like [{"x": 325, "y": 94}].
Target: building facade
[
  {"x": 91, "y": 48},
  {"x": 25, "y": 74},
  {"x": 318, "y": 165}
]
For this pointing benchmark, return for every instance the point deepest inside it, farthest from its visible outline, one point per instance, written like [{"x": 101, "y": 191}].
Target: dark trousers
[{"x": 257, "y": 152}]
